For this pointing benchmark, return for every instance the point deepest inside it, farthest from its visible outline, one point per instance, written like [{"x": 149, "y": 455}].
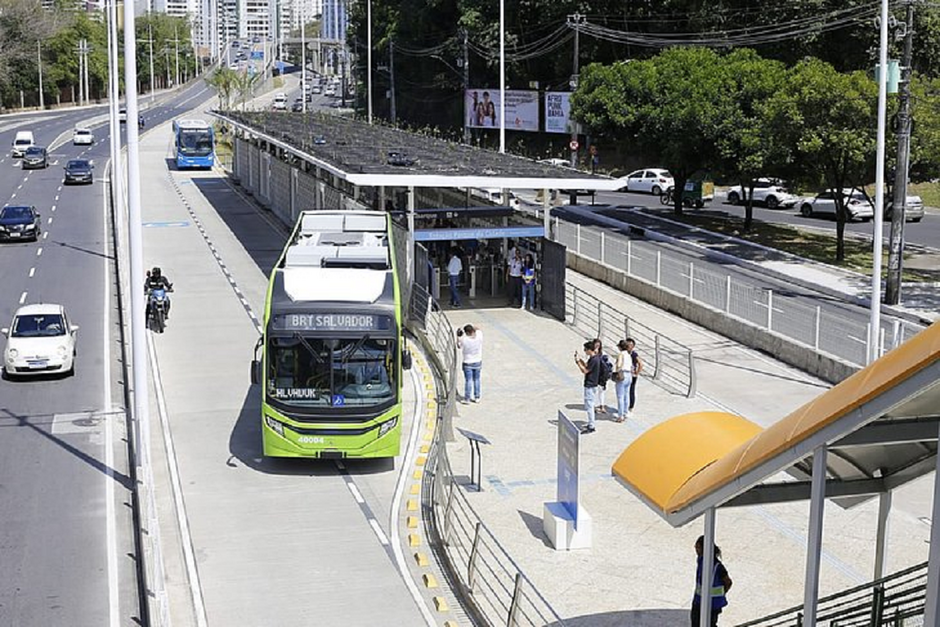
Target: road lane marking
[
  {"x": 49, "y": 221},
  {"x": 32, "y": 271},
  {"x": 45, "y": 235},
  {"x": 53, "y": 207},
  {"x": 356, "y": 493},
  {"x": 39, "y": 252},
  {"x": 383, "y": 539},
  {"x": 23, "y": 298}
]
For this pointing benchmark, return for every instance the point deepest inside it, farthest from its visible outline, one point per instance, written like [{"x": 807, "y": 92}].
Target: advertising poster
[
  {"x": 569, "y": 465},
  {"x": 557, "y": 112},
  {"x": 522, "y": 109}
]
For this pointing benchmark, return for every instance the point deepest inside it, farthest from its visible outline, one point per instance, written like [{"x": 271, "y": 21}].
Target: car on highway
[
  {"x": 40, "y": 340},
  {"x": 767, "y": 192},
  {"x": 236, "y": 43},
  {"x": 35, "y": 157},
  {"x": 913, "y": 209},
  {"x": 280, "y": 102},
  {"x": 316, "y": 89},
  {"x": 19, "y": 222},
  {"x": 330, "y": 91},
  {"x": 562, "y": 163},
  {"x": 83, "y": 137},
  {"x": 79, "y": 171},
  {"x": 297, "y": 106},
  {"x": 122, "y": 115},
  {"x": 21, "y": 141},
  {"x": 649, "y": 180},
  {"x": 858, "y": 206}
]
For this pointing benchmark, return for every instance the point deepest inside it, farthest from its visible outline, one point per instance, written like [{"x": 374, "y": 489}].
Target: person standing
[
  {"x": 721, "y": 584},
  {"x": 470, "y": 343},
  {"x": 590, "y": 366},
  {"x": 623, "y": 380},
  {"x": 637, "y": 368},
  {"x": 454, "y": 268},
  {"x": 514, "y": 270},
  {"x": 607, "y": 369},
  {"x": 528, "y": 282}
]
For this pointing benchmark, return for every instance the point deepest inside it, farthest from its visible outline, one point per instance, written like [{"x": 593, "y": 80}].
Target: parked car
[
  {"x": 913, "y": 210},
  {"x": 40, "y": 340},
  {"x": 858, "y": 205},
  {"x": 83, "y": 137},
  {"x": 21, "y": 141},
  {"x": 19, "y": 222},
  {"x": 650, "y": 180},
  {"x": 767, "y": 192},
  {"x": 79, "y": 171},
  {"x": 35, "y": 157}
]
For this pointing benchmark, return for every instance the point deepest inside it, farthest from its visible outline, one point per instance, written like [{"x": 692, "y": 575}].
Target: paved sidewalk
[{"x": 640, "y": 570}]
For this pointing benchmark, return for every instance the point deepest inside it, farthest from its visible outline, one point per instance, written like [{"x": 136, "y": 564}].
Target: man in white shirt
[{"x": 454, "y": 268}]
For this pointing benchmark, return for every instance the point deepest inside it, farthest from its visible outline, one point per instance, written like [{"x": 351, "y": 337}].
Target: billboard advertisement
[
  {"x": 569, "y": 466},
  {"x": 522, "y": 109},
  {"x": 557, "y": 112}
]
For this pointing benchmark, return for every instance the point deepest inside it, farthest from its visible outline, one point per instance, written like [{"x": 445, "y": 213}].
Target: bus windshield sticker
[{"x": 338, "y": 400}]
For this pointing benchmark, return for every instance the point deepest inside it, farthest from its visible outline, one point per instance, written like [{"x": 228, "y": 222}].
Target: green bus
[{"x": 331, "y": 355}]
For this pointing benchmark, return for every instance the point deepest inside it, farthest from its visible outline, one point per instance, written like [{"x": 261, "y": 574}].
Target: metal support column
[
  {"x": 814, "y": 545},
  {"x": 411, "y": 234},
  {"x": 884, "y": 509},
  {"x": 708, "y": 570},
  {"x": 932, "y": 604}
]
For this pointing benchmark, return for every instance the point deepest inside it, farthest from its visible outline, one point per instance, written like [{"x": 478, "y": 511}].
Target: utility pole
[
  {"x": 166, "y": 57},
  {"x": 82, "y": 61},
  {"x": 896, "y": 240},
  {"x": 502, "y": 76},
  {"x": 303, "y": 64},
  {"x": 575, "y": 22},
  {"x": 466, "y": 84},
  {"x": 150, "y": 44},
  {"x": 87, "y": 82},
  {"x": 176, "y": 41},
  {"x": 369, "y": 64},
  {"x": 42, "y": 103},
  {"x": 391, "y": 76}
]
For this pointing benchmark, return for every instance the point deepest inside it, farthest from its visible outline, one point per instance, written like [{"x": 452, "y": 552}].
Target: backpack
[{"x": 607, "y": 370}]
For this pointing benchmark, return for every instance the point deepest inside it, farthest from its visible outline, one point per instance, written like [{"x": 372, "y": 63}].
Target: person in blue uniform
[{"x": 721, "y": 583}]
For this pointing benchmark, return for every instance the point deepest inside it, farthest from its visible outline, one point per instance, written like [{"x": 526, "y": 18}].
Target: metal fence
[
  {"x": 823, "y": 328},
  {"x": 894, "y": 601},
  {"x": 480, "y": 569},
  {"x": 666, "y": 361}
]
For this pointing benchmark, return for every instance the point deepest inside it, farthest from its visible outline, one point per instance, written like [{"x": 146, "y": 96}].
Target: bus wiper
[
  {"x": 310, "y": 349},
  {"x": 355, "y": 348}
]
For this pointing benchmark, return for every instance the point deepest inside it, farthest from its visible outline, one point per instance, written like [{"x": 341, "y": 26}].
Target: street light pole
[
  {"x": 874, "y": 330},
  {"x": 502, "y": 75},
  {"x": 176, "y": 41},
  {"x": 369, "y": 61},
  {"x": 303, "y": 65},
  {"x": 42, "y": 103}
]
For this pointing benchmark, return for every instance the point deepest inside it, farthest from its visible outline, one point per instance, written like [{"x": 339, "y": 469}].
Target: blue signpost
[{"x": 569, "y": 466}]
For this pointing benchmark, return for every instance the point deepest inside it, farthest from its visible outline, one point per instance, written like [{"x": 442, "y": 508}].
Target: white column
[
  {"x": 708, "y": 568},
  {"x": 411, "y": 234},
  {"x": 502, "y": 75},
  {"x": 369, "y": 60},
  {"x": 884, "y": 509},
  {"x": 877, "y": 238},
  {"x": 932, "y": 605},
  {"x": 814, "y": 545}
]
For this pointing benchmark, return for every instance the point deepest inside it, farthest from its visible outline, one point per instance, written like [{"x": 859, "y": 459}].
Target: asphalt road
[{"x": 66, "y": 531}]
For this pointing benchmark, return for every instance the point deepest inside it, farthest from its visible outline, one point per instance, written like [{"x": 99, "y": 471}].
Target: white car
[
  {"x": 562, "y": 163},
  {"x": 913, "y": 210},
  {"x": 767, "y": 192},
  {"x": 39, "y": 341},
  {"x": 83, "y": 137},
  {"x": 857, "y": 205},
  {"x": 650, "y": 180}
]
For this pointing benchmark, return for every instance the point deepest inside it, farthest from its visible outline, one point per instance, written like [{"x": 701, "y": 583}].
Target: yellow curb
[
  {"x": 421, "y": 461},
  {"x": 430, "y": 581},
  {"x": 417, "y": 474},
  {"x": 450, "y": 623},
  {"x": 412, "y": 522},
  {"x": 427, "y": 437},
  {"x": 414, "y": 539},
  {"x": 416, "y": 488},
  {"x": 425, "y": 448},
  {"x": 421, "y": 559},
  {"x": 412, "y": 505},
  {"x": 441, "y": 604}
]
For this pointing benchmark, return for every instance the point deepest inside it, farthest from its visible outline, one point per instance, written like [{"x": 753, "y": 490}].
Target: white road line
[
  {"x": 378, "y": 531},
  {"x": 189, "y": 555},
  {"x": 39, "y": 252},
  {"x": 57, "y": 200},
  {"x": 32, "y": 271},
  {"x": 355, "y": 492},
  {"x": 114, "y": 602},
  {"x": 45, "y": 235},
  {"x": 22, "y": 298},
  {"x": 49, "y": 221},
  {"x": 54, "y": 207},
  {"x": 13, "y": 196}
]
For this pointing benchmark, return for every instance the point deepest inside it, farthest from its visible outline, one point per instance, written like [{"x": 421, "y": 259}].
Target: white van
[{"x": 22, "y": 141}]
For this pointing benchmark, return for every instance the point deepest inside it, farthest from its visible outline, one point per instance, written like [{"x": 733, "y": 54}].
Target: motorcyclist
[
  {"x": 156, "y": 280},
  {"x": 140, "y": 121}
]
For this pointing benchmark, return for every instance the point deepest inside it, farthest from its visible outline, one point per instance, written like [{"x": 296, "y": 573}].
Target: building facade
[{"x": 334, "y": 20}]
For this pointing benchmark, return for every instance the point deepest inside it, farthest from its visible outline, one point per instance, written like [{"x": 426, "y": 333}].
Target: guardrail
[
  {"x": 825, "y": 329},
  {"x": 668, "y": 363},
  {"x": 489, "y": 582},
  {"x": 893, "y": 601}
]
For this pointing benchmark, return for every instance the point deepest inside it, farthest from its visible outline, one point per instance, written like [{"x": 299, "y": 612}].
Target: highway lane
[{"x": 66, "y": 532}]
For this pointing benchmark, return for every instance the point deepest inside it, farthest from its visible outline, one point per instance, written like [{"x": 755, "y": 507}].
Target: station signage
[
  {"x": 338, "y": 321},
  {"x": 446, "y": 235}
]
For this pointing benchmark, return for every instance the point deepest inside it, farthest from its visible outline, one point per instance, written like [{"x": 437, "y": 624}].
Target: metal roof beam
[
  {"x": 767, "y": 493},
  {"x": 892, "y": 432}
]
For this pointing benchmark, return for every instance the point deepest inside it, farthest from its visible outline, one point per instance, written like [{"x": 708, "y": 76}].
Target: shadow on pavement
[
  {"x": 631, "y": 618},
  {"x": 534, "y": 525}
]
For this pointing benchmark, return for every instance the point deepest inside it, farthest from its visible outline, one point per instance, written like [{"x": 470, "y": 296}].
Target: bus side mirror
[
  {"x": 406, "y": 359},
  {"x": 255, "y": 372}
]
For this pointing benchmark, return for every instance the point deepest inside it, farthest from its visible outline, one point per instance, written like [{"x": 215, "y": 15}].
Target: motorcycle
[{"x": 158, "y": 303}]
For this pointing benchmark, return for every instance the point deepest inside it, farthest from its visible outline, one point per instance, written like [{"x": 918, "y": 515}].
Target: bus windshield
[
  {"x": 330, "y": 372},
  {"x": 195, "y": 143}
]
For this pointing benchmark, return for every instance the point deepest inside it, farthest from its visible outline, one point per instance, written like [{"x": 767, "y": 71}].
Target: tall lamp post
[
  {"x": 369, "y": 61},
  {"x": 502, "y": 75},
  {"x": 874, "y": 330},
  {"x": 303, "y": 64},
  {"x": 42, "y": 102}
]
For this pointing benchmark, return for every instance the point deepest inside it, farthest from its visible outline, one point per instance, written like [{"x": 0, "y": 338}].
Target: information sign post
[{"x": 566, "y": 524}]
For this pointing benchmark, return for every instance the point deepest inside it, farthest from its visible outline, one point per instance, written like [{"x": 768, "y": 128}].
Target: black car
[
  {"x": 79, "y": 171},
  {"x": 297, "y": 107},
  {"x": 35, "y": 157},
  {"x": 19, "y": 222}
]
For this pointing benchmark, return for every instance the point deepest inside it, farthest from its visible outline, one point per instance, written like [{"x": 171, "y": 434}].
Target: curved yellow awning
[{"x": 689, "y": 457}]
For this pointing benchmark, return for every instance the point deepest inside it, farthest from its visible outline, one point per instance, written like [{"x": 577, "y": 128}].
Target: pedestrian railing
[
  {"x": 666, "y": 361},
  {"x": 894, "y": 601},
  {"x": 824, "y": 328},
  {"x": 489, "y": 582}
]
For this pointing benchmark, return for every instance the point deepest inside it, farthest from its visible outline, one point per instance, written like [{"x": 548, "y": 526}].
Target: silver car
[{"x": 913, "y": 211}]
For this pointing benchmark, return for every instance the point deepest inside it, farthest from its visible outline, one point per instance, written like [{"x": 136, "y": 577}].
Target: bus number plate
[{"x": 311, "y": 439}]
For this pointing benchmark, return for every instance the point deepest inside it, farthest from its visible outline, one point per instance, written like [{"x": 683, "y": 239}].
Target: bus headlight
[
  {"x": 274, "y": 425},
  {"x": 387, "y": 426}
]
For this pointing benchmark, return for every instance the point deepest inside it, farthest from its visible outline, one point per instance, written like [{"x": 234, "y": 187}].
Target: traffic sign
[{"x": 574, "y": 144}]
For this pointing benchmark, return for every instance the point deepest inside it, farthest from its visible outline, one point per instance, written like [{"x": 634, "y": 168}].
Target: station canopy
[{"x": 377, "y": 155}]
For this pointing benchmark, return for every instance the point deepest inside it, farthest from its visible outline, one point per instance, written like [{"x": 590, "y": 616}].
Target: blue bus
[{"x": 195, "y": 144}]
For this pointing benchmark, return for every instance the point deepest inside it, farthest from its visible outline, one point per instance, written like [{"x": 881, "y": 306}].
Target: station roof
[
  {"x": 361, "y": 153},
  {"x": 880, "y": 426}
]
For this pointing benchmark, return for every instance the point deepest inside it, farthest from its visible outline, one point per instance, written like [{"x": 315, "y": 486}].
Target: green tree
[
  {"x": 829, "y": 118},
  {"x": 23, "y": 23},
  {"x": 226, "y": 82},
  {"x": 925, "y": 134}
]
